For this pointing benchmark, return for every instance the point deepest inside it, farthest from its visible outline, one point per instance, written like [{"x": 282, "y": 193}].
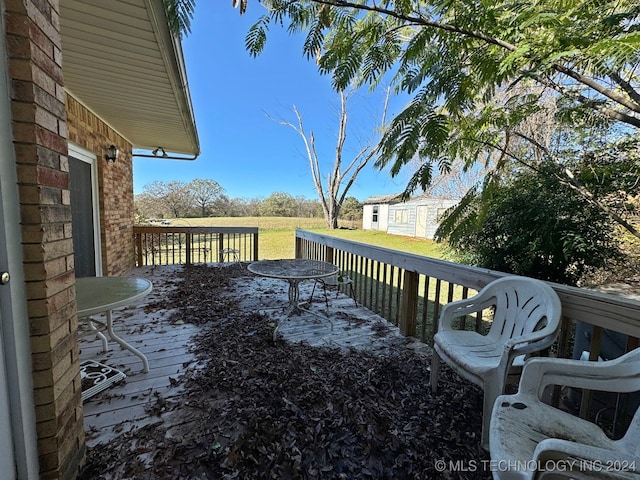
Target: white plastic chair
[
  {"x": 334, "y": 281},
  {"x": 230, "y": 254},
  {"x": 526, "y": 320},
  {"x": 528, "y": 436}
]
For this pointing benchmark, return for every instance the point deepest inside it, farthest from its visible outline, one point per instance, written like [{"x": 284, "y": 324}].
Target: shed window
[
  {"x": 401, "y": 216},
  {"x": 375, "y": 213}
]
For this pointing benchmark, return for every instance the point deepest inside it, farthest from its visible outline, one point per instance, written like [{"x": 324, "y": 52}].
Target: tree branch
[
  {"x": 631, "y": 103},
  {"x": 626, "y": 86},
  {"x": 606, "y": 92}
]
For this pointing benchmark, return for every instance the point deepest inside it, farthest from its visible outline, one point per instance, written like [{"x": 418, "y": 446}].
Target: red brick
[
  {"x": 51, "y": 140},
  {"x": 53, "y": 178},
  {"x": 16, "y": 24}
]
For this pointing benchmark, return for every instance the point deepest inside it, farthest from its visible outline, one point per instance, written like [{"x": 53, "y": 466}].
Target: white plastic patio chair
[
  {"x": 529, "y": 438},
  {"x": 230, "y": 254},
  {"x": 334, "y": 282},
  {"x": 526, "y": 318}
]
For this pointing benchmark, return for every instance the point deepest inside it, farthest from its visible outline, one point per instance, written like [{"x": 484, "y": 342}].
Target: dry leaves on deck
[{"x": 255, "y": 409}]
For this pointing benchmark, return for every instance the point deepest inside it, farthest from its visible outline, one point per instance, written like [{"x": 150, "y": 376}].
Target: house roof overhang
[{"x": 121, "y": 60}]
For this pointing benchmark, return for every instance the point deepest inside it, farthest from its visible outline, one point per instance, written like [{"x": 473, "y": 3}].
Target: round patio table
[
  {"x": 96, "y": 295},
  {"x": 293, "y": 271}
]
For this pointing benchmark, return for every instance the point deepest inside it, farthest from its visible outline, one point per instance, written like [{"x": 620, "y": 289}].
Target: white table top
[
  {"x": 293, "y": 269},
  {"x": 99, "y": 294}
]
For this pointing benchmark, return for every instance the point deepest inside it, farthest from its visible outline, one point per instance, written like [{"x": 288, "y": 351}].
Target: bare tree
[
  {"x": 205, "y": 193},
  {"x": 344, "y": 172},
  {"x": 173, "y": 197}
]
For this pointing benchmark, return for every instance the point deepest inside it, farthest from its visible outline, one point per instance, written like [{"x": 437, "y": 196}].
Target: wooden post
[
  {"x": 436, "y": 308},
  {"x": 329, "y": 255},
  {"x": 188, "y": 247},
  {"x": 563, "y": 352},
  {"x": 138, "y": 237},
  {"x": 255, "y": 247},
  {"x": 298, "y": 253},
  {"x": 594, "y": 351},
  {"x": 409, "y": 308}
]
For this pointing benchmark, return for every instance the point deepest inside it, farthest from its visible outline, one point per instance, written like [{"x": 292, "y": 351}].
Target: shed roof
[{"x": 389, "y": 198}]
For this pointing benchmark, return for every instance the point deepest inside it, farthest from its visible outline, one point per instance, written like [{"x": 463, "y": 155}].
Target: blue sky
[{"x": 233, "y": 94}]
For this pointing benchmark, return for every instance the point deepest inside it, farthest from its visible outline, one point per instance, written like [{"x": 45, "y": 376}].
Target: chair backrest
[
  {"x": 523, "y": 305},
  {"x": 620, "y": 375},
  {"x": 630, "y": 440},
  {"x": 336, "y": 280}
]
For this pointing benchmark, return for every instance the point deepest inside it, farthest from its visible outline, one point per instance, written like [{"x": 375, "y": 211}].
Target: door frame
[
  {"x": 422, "y": 221},
  {"x": 91, "y": 158},
  {"x": 375, "y": 217},
  {"x": 14, "y": 319}
]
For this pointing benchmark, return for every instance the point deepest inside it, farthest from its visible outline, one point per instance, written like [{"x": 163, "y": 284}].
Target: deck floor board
[{"x": 168, "y": 347}]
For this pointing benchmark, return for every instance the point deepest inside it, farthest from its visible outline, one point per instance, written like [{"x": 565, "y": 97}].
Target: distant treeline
[{"x": 206, "y": 198}]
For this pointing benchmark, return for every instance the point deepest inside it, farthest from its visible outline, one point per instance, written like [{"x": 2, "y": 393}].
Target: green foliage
[
  {"x": 351, "y": 209},
  {"x": 478, "y": 71},
  {"x": 278, "y": 204},
  {"x": 206, "y": 198},
  {"x": 180, "y": 13},
  {"x": 531, "y": 225},
  {"x": 257, "y": 37}
]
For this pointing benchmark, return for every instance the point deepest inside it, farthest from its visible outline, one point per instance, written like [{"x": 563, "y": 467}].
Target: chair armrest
[
  {"x": 524, "y": 345},
  {"x": 609, "y": 375},
  {"x": 461, "y": 308},
  {"x": 532, "y": 342},
  {"x": 578, "y": 457}
]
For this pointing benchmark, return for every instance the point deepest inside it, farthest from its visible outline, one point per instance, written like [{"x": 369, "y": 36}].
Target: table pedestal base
[{"x": 100, "y": 328}]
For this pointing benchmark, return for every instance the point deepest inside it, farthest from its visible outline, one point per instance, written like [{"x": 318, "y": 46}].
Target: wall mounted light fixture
[{"x": 112, "y": 153}]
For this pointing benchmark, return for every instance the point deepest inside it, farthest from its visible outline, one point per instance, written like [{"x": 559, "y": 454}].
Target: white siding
[
  {"x": 383, "y": 217},
  {"x": 403, "y": 217}
]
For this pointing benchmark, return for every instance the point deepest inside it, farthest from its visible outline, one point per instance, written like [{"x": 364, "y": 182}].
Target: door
[
  {"x": 374, "y": 217},
  {"x": 7, "y": 459},
  {"x": 84, "y": 212},
  {"x": 421, "y": 221}
]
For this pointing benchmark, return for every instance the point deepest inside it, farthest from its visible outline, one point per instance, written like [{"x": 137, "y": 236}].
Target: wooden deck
[{"x": 133, "y": 402}]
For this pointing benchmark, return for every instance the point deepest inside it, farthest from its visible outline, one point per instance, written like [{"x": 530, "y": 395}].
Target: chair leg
[
  {"x": 491, "y": 393},
  {"x": 326, "y": 298},
  {"x": 324, "y": 288},
  {"x": 315, "y": 282},
  {"x": 435, "y": 371}
]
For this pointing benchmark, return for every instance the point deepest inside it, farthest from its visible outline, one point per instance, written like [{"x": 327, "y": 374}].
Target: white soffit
[{"x": 120, "y": 59}]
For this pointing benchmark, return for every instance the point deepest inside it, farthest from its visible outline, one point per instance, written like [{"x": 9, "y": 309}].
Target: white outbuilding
[{"x": 418, "y": 217}]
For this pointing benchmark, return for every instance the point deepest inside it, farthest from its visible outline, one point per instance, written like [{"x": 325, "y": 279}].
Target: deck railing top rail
[
  {"x": 472, "y": 277},
  {"x": 187, "y": 229},
  {"x": 618, "y": 313}
]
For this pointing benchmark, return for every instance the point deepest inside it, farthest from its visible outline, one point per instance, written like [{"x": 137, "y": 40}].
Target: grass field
[
  {"x": 277, "y": 240},
  {"x": 277, "y": 235}
]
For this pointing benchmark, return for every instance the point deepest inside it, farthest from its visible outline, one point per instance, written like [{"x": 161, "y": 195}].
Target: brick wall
[
  {"x": 39, "y": 132},
  {"x": 115, "y": 185}
]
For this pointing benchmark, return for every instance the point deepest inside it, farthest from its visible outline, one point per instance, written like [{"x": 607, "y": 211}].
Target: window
[
  {"x": 374, "y": 218},
  {"x": 401, "y": 216}
]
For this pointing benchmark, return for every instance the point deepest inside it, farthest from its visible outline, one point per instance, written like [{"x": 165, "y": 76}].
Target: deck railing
[
  {"x": 167, "y": 245},
  {"x": 409, "y": 290}
]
